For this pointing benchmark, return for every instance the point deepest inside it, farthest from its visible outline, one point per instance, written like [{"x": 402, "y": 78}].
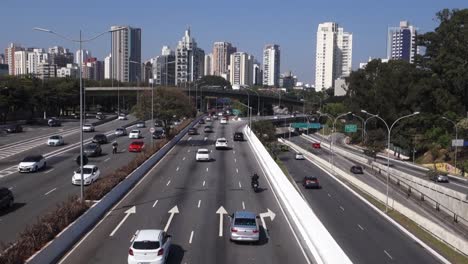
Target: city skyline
[{"x": 368, "y": 22}]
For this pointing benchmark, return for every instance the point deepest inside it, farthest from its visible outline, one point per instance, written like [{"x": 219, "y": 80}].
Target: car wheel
[{"x": 35, "y": 168}]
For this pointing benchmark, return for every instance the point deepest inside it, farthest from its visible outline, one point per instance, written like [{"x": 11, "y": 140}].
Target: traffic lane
[
  {"x": 38, "y": 193},
  {"x": 42, "y": 148},
  {"x": 364, "y": 235}
]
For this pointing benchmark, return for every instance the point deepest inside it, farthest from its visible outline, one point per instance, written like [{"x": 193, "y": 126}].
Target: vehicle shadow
[
  {"x": 176, "y": 254},
  {"x": 15, "y": 207}
]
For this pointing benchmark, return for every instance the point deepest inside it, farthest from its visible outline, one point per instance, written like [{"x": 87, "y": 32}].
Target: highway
[
  {"x": 198, "y": 190},
  {"x": 37, "y": 193},
  {"x": 364, "y": 235}
]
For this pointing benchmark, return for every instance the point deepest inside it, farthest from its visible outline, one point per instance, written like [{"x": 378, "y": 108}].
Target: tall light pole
[
  {"x": 249, "y": 111},
  {"x": 332, "y": 138},
  {"x": 389, "y": 129},
  {"x": 80, "y": 41},
  {"x": 363, "y": 126},
  {"x": 258, "y": 98},
  {"x": 456, "y": 139}
]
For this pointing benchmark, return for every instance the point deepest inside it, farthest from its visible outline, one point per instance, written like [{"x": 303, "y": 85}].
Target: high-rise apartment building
[
  {"x": 333, "y": 55},
  {"x": 60, "y": 56},
  {"x": 84, "y": 55},
  {"x": 189, "y": 60},
  {"x": 221, "y": 57},
  {"x": 401, "y": 42},
  {"x": 241, "y": 69},
  {"x": 271, "y": 65},
  {"x": 36, "y": 58},
  {"x": 164, "y": 67},
  {"x": 208, "y": 69},
  {"x": 126, "y": 53},
  {"x": 107, "y": 66},
  {"x": 10, "y": 57},
  {"x": 20, "y": 62},
  {"x": 257, "y": 73}
]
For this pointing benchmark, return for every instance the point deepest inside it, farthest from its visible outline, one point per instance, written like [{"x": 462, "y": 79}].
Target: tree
[
  {"x": 212, "y": 80},
  {"x": 265, "y": 131}
]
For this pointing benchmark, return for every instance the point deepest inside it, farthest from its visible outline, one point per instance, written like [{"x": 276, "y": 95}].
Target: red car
[
  {"x": 316, "y": 145},
  {"x": 136, "y": 146}
]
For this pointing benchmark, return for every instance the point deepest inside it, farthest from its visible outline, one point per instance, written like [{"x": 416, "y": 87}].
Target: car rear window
[
  {"x": 54, "y": 137},
  {"x": 146, "y": 245},
  {"x": 135, "y": 131},
  {"x": 140, "y": 143},
  {"x": 245, "y": 221},
  {"x": 85, "y": 171},
  {"x": 31, "y": 159},
  {"x": 222, "y": 140},
  {"x": 203, "y": 152}
]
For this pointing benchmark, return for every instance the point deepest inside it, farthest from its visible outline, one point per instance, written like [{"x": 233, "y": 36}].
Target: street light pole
[
  {"x": 332, "y": 138},
  {"x": 258, "y": 100},
  {"x": 363, "y": 126},
  {"x": 456, "y": 139}
]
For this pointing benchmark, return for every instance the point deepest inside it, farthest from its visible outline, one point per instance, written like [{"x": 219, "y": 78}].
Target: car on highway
[
  {"x": 6, "y": 198},
  {"x": 192, "y": 131},
  {"x": 100, "y": 139},
  {"x": 55, "y": 140},
  {"x": 208, "y": 119},
  {"x": 311, "y": 182},
  {"x": 201, "y": 122},
  {"x": 299, "y": 156},
  {"x": 141, "y": 124},
  {"x": 316, "y": 145},
  {"x": 202, "y": 155},
  {"x": 90, "y": 174},
  {"x": 120, "y": 131},
  {"x": 223, "y": 121},
  {"x": 32, "y": 163},
  {"x": 136, "y": 146},
  {"x": 149, "y": 246},
  {"x": 158, "y": 123},
  {"x": 159, "y": 133},
  {"x": 244, "y": 227},
  {"x": 238, "y": 136},
  {"x": 439, "y": 178},
  {"x": 88, "y": 128},
  {"x": 208, "y": 129},
  {"x": 221, "y": 143},
  {"x": 100, "y": 116},
  {"x": 135, "y": 133},
  {"x": 122, "y": 117},
  {"x": 54, "y": 122},
  {"x": 92, "y": 150},
  {"x": 356, "y": 169},
  {"x": 15, "y": 128}
]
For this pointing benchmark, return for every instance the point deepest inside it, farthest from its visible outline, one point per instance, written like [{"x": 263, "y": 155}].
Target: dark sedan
[
  {"x": 100, "y": 138},
  {"x": 238, "y": 136},
  {"x": 192, "y": 131},
  {"x": 208, "y": 129},
  {"x": 356, "y": 169},
  {"x": 158, "y": 134},
  {"x": 6, "y": 198},
  {"x": 93, "y": 150},
  {"x": 14, "y": 129},
  {"x": 311, "y": 182}
]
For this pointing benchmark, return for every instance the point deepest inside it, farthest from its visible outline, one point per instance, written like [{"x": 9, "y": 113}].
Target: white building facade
[
  {"x": 271, "y": 65},
  {"x": 107, "y": 66},
  {"x": 21, "y": 62},
  {"x": 208, "y": 69},
  {"x": 241, "y": 69},
  {"x": 189, "y": 60}
]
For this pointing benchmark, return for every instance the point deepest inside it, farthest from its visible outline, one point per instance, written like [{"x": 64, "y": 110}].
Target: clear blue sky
[{"x": 249, "y": 25}]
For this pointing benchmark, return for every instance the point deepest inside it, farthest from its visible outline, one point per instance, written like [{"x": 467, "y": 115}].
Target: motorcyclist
[
  {"x": 114, "y": 147},
  {"x": 254, "y": 179}
]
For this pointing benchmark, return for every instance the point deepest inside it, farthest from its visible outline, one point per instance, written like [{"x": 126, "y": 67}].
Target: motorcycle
[
  {"x": 255, "y": 186},
  {"x": 114, "y": 148}
]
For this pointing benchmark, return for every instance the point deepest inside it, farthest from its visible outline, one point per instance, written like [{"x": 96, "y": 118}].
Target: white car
[
  {"x": 122, "y": 117},
  {"x": 221, "y": 143},
  {"x": 135, "y": 133},
  {"x": 90, "y": 174},
  {"x": 208, "y": 119},
  {"x": 150, "y": 246},
  {"x": 55, "y": 141},
  {"x": 223, "y": 120},
  {"x": 299, "y": 156},
  {"x": 88, "y": 128},
  {"x": 202, "y": 155},
  {"x": 32, "y": 163}
]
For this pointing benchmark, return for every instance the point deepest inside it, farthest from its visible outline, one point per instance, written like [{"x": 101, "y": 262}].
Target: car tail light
[
  {"x": 233, "y": 230},
  {"x": 255, "y": 231},
  {"x": 130, "y": 252},
  {"x": 161, "y": 252}
]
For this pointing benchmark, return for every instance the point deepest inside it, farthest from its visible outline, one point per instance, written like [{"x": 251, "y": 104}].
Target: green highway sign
[
  {"x": 306, "y": 125},
  {"x": 350, "y": 128},
  {"x": 236, "y": 112}
]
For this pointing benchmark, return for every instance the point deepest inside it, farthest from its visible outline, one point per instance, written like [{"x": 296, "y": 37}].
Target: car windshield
[
  {"x": 221, "y": 140},
  {"x": 91, "y": 146},
  {"x": 85, "y": 171},
  {"x": 119, "y": 129},
  {"x": 87, "y": 125},
  {"x": 135, "y": 131},
  {"x": 146, "y": 244},
  {"x": 140, "y": 143},
  {"x": 31, "y": 159},
  {"x": 244, "y": 222},
  {"x": 55, "y": 137},
  {"x": 203, "y": 152}
]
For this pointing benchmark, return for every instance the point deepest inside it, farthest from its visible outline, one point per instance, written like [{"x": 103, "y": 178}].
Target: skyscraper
[
  {"x": 164, "y": 68},
  {"x": 189, "y": 60},
  {"x": 221, "y": 57},
  {"x": 241, "y": 69},
  {"x": 257, "y": 73},
  {"x": 60, "y": 56},
  {"x": 35, "y": 59},
  {"x": 401, "y": 42},
  {"x": 333, "y": 56},
  {"x": 271, "y": 65},
  {"x": 84, "y": 56},
  {"x": 208, "y": 64},
  {"x": 126, "y": 53},
  {"x": 107, "y": 66},
  {"x": 10, "y": 57}
]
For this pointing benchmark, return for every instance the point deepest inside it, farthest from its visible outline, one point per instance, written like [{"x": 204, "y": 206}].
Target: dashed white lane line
[
  {"x": 49, "y": 171},
  {"x": 106, "y": 160},
  {"x": 240, "y": 185},
  {"x": 11, "y": 188},
  {"x": 206, "y": 169},
  {"x": 183, "y": 158},
  {"x": 243, "y": 205},
  {"x": 47, "y": 193},
  {"x": 199, "y": 202},
  {"x": 177, "y": 169},
  {"x": 362, "y": 228},
  {"x": 235, "y": 160},
  {"x": 191, "y": 237},
  {"x": 190, "y": 138},
  {"x": 188, "y": 150},
  {"x": 205, "y": 139},
  {"x": 237, "y": 170},
  {"x": 203, "y": 183},
  {"x": 169, "y": 182},
  {"x": 233, "y": 152},
  {"x": 155, "y": 203},
  {"x": 341, "y": 207},
  {"x": 388, "y": 254},
  {"x": 329, "y": 195}
]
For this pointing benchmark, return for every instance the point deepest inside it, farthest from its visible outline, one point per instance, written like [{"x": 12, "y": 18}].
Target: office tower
[
  {"x": 257, "y": 73},
  {"x": 189, "y": 60},
  {"x": 271, "y": 65},
  {"x": 20, "y": 62},
  {"x": 107, "y": 66},
  {"x": 60, "y": 56},
  {"x": 84, "y": 56},
  {"x": 241, "y": 69},
  {"x": 401, "y": 42},
  {"x": 164, "y": 68},
  {"x": 208, "y": 69},
  {"x": 10, "y": 57},
  {"x": 221, "y": 57},
  {"x": 126, "y": 53},
  {"x": 333, "y": 55}
]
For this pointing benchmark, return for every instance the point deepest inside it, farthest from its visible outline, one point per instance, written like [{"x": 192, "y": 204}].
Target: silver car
[{"x": 244, "y": 227}]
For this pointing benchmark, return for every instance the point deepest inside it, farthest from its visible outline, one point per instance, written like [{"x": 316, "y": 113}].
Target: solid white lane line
[
  {"x": 203, "y": 183},
  {"x": 237, "y": 170},
  {"x": 50, "y": 191},
  {"x": 183, "y": 158},
  {"x": 49, "y": 171},
  {"x": 169, "y": 182},
  {"x": 191, "y": 237},
  {"x": 243, "y": 205},
  {"x": 388, "y": 254},
  {"x": 177, "y": 169},
  {"x": 341, "y": 207},
  {"x": 106, "y": 160},
  {"x": 155, "y": 202},
  {"x": 362, "y": 228},
  {"x": 240, "y": 185},
  {"x": 199, "y": 202}
]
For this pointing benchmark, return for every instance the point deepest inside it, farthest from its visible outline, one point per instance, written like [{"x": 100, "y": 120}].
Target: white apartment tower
[
  {"x": 208, "y": 69},
  {"x": 333, "y": 55},
  {"x": 401, "y": 42},
  {"x": 20, "y": 62},
  {"x": 84, "y": 55},
  {"x": 271, "y": 65},
  {"x": 189, "y": 60},
  {"x": 241, "y": 69},
  {"x": 35, "y": 59},
  {"x": 10, "y": 57},
  {"x": 126, "y": 54},
  {"x": 221, "y": 57},
  {"x": 107, "y": 66}
]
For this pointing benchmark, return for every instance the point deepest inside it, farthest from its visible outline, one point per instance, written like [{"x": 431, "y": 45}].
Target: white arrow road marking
[
  {"x": 127, "y": 214},
  {"x": 221, "y": 211},
  {"x": 270, "y": 214},
  {"x": 173, "y": 211}
]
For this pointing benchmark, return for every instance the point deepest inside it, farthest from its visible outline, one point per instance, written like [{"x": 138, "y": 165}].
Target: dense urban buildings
[
  {"x": 189, "y": 60},
  {"x": 126, "y": 53},
  {"x": 10, "y": 57},
  {"x": 271, "y": 65},
  {"x": 60, "y": 56},
  {"x": 333, "y": 55},
  {"x": 241, "y": 69},
  {"x": 401, "y": 42},
  {"x": 221, "y": 58},
  {"x": 82, "y": 55},
  {"x": 164, "y": 68}
]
